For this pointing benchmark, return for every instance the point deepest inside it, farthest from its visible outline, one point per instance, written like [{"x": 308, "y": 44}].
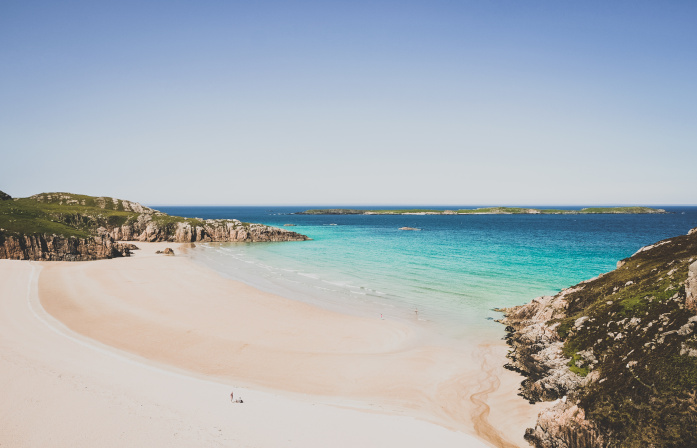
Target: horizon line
[{"x": 422, "y": 205}]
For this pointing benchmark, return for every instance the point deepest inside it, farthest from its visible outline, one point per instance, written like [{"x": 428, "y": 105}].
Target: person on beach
[{"x": 232, "y": 396}]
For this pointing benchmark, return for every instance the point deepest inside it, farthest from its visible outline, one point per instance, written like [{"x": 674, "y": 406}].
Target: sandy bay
[{"x": 144, "y": 351}]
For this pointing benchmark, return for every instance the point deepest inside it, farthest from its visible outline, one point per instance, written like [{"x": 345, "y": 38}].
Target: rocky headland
[
  {"x": 65, "y": 226},
  {"x": 617, "y": 354}
]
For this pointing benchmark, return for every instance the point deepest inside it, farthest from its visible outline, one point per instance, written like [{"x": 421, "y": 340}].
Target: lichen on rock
[{"x": 619, "y": 352}]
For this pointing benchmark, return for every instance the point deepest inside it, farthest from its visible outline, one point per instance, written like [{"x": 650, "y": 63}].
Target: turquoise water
[{"x": 453, "y": 271}]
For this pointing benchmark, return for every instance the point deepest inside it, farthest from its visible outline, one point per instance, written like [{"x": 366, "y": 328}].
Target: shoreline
[{"x": 178, "y": 314}]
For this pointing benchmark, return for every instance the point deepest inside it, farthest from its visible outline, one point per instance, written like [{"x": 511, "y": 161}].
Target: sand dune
[{"x": 145, "y": 351}]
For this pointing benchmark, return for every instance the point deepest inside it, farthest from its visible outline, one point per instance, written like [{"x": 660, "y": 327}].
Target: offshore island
[
  {"x": 488, "y": 211},
  {"x": 615, "y": 356}
]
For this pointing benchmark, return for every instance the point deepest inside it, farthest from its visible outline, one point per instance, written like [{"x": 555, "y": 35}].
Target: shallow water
[{"x": 453, "y": 271}]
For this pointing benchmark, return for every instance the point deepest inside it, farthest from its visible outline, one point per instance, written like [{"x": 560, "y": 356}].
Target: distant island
[
  {"x": 489, "y": 211},
  {"x": 76, "y": 227}
]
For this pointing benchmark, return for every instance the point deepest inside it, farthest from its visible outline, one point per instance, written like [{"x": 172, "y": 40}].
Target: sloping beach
[{"x": 144, "y": 351}]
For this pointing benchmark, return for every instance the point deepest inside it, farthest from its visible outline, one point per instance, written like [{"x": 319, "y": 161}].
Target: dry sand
[{"x": 144, "y": 351}]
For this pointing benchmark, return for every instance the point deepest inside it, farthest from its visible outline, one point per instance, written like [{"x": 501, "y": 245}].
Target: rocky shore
[
  {"x": 618, "y": 353},
  {"x": 65, "y": 226},
  {"x": 59, "y": 248},
  {"x": 148, "y": 228}
]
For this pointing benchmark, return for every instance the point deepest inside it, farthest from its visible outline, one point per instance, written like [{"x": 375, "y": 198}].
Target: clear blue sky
[{"x": 351, "y": 102}]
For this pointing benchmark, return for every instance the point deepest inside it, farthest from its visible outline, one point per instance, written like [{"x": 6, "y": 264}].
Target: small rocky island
[
  {"x": 488, "y": 211},
  {"x": 617, "y": 353},
  {"x": 73, "y": 227}
]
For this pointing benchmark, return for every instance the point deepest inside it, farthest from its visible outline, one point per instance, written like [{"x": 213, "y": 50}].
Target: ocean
[{"x": 449, "y": 275}]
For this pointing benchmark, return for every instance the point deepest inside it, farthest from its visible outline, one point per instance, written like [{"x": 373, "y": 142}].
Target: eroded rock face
[
  {"x": 564, "y": 425},
  {"x": 537, "y": 348},
  {"x": 107, "y": 220},
  {"x": 691, "y": 288},
  {"x": 58, "y": 248},
  {"x": 211, "y": 230},
  {"x": 631, "y": 332}
]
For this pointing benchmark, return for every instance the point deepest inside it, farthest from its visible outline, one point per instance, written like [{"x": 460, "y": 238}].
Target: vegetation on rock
[
  {"x": 68, "y": 215},
  {"x": 628, "y": 337},
  {"x": 64, "y": 214}
]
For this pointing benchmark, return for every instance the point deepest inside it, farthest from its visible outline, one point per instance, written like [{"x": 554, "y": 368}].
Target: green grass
[
  {"x": 69, "y": 215},
  {"x": 82, "y": 216},
  {"x": 28, "y": 216},
  {"x": 76, "y": 215},
  {"x": 80, "y": 200},
  {"x": 634, "y": 210},
  {"x": 644, "y": 397},
  {"x": 403, "y": 211},
  {"x": 502, "y": 210},
  {"x": 167, "y": 220}
]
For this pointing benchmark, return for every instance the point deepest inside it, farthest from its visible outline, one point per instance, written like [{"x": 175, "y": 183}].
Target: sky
[{"x": 351, "y": 102}]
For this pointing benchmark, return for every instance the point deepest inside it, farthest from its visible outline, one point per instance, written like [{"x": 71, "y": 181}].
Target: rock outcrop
[
  {"x": 101, "y": 202},
  {"x": 537, "y": 349},
  {"x": 65, "y": 226},
  {"x": 59, "y": 248},
  {"x": 617, "y": 352},
  {"x": 151, "y": 229},
  {"x": 564, "y": 425},
  {"x": 691, "y": 288}
]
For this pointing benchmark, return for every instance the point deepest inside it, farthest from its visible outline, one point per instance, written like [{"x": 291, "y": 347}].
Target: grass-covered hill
[
  {"x": 66, "y": 214},
  {"x": 623, "y": 348},
  {"x": 31, "y": 227}
]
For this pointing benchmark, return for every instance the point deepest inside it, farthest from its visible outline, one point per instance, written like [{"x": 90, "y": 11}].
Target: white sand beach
[{"x": 144, "y": 351}]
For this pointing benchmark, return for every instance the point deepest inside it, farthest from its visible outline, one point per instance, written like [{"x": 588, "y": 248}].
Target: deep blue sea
[{"x": 453, "y": 271}]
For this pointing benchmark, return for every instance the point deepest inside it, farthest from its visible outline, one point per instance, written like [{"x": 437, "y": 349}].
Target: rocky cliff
[
  {"x": 618, "y": 353},
  {"x": 148, "y": 227},
  {"x": 65, "y": 226},
  {"x": 59, "y": 248}
]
